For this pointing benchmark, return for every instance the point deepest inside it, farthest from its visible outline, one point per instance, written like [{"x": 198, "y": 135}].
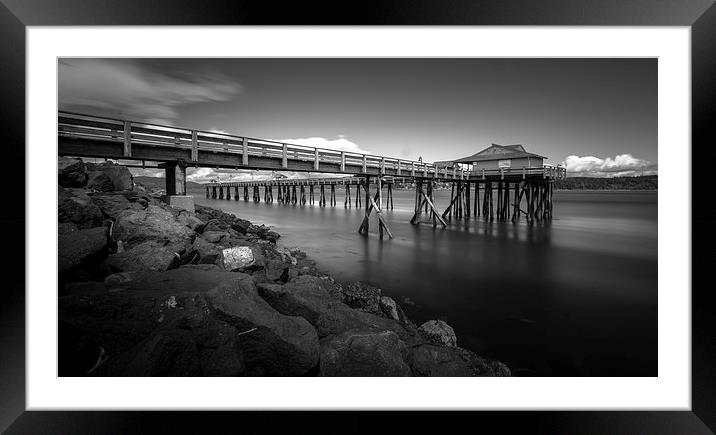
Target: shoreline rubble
[{"x": 149, "y": 290}]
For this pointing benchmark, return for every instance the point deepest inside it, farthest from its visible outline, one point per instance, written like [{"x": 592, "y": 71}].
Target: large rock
[
  {"x": 108, "y": 176},
  {"x": 71, "y": 172},
  {"x": 153, "y": 223},
  {"x": 75, "y": 206},
  {"x": 391, "y": 309},
  {"x": 318, "y": 301},
  {"x": 208, "y": 253},
  {"x": 364, "y": 353},
  {"x": 439, "y": 332},
  {"x": 363, "y": 297},
  {"x": 77, "y": 246},
  {"x": 435, "y": 360},
  {"x": 155, "y": 324},
  {"x": 273, "y": 344},
  {"x": 189, "y": 219},
  {"x": 149, "y": 255},
  {"x": 238, "y": 257},
  {"x": 113, "y": 204}
]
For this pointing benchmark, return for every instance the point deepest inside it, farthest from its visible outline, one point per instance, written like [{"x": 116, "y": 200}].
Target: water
[{"x": 573, "y": 297}]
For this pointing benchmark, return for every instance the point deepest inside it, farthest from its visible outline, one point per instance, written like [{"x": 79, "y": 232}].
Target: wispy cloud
[
  {"x": 339, "y": 144},
  {"x": 620, "y": 165},
  {"x": 125, "y": 88}
]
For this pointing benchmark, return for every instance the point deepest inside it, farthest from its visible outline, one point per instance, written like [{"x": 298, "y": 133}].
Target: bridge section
[{"x": 84, "y": 135}]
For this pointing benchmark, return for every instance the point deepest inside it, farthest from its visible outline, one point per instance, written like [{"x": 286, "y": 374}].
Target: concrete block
[{"x": 183, "y": 202}]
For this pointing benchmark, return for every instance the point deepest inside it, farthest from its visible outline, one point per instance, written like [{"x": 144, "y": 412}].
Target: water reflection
[{"x": 572, "y": 296}]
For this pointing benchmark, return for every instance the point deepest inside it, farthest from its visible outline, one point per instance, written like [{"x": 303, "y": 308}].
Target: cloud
[
  {"x": 338, "y": 144},
  {"x": 125, "y": 88},
  {"x": 620, "y": 165}
]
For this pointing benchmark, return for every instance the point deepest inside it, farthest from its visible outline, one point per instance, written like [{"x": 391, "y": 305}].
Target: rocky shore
[{"x": 149, "y": 290}]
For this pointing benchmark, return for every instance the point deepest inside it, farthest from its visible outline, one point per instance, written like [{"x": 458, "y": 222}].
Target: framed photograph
[{"x": 436, "y": 209}]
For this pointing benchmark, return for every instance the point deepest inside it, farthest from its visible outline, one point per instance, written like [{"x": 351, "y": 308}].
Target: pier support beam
[
  {"x": 370, "y": 205},
  {"x": 423, "y": 199},
  {"x": 175, "y": 176}
]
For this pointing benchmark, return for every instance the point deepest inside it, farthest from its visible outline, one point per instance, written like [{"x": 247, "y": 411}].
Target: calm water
[{"x": 575, "y": 297}]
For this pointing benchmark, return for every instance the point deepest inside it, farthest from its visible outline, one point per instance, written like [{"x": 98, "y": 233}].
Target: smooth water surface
[{"x": 573, "y": 297}]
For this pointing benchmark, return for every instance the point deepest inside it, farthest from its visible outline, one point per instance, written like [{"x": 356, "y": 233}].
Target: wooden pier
[{"x": 498, "y": 192}]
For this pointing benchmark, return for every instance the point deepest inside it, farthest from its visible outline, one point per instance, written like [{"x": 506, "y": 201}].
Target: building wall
[{"x": 527, "y": 162}]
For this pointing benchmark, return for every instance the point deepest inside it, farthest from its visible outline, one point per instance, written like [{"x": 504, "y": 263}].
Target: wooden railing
[{"x": 132, "y": 133}]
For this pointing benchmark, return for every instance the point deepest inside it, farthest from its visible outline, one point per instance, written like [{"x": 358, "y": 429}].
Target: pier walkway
[{"x": 84, "y": 135}]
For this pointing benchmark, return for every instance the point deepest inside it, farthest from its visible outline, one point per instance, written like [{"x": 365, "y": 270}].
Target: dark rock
[
  {"x": 112, "y": 205},
  {"x": 100, "y": 182},
  {"x": 318, "y": 301},
  {"x": 71, "y": 172},
  {"x": 144, "y": 313},
  {"x": 149, "y": 255},
  {"x": 77, "y": 352},
  {"x": 204, "y": 267},
  {"x": 364, "y": 353},
  {"x": 216, "y": 226},
  {"x": 363, "y": 297},
  {"x": 85, "y": 288},
  {"x": 438, "y": 332},
  {"x": 153, "y": 223},
  {"x": 108, "y": 176},
  {"x": 214, "y": 236},
  {"x": 392, "y": 310},
  {"x": 272, "y": 344},
  {"x": 66, "y": 227},
  {"x": 77, "y": 246},
  {"x": 209, "y": 253},
  {"x": 188, "y": 219},
  {"x": 75, "y": 206},
  {"x": 435, "y": 360}
]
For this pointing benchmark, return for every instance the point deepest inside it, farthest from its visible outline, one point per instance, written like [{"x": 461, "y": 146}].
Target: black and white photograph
[
  {"x": 226, "y": 214},
  {"x": 357, "y": 217}
]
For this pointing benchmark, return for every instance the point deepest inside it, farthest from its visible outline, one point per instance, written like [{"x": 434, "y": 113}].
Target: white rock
[{"x": 237, "y": 257}]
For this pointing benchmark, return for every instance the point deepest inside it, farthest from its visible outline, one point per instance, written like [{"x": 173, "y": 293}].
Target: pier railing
[{"x": 146, "y": 141}]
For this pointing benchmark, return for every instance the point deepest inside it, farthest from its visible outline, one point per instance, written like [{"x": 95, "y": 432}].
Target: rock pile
[{"x": 147, "y": 290}]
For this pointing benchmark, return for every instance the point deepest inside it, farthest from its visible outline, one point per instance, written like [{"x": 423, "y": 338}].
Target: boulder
[
  {"x": 85, "y": 288},
  {"x": 156, "y": 323},
  {"x": 238, "y": 257},
  {"x": 389, "y": 308},
  {"x": 318, "y": 301},
  {"x": 214, "y": 236},
  {"x": 364, "y": 353},
  {"x": 273, "y": 344},
  {"x": 189, "y": 219},
  {"x": 438, "y": 332},
  {"x": 152, "y": 223},
  {"x": 99, "y": 181},
  {"x": 75, "y": 206},
  {"x": 108, "y": 176},
  {"x": 149, "y": 255},
  {"x": 77, "y": 246},
  {"x": 208, "y": 253},
  {"x": 362, "y": 297},
  {"x": 66, "y": 227},
  {"x": 435, "y": 360},
  {"x": 113, "y": 205},
  {"x": 71, "y": 172}
]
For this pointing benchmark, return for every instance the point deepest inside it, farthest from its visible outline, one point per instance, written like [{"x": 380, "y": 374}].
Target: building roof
[{"x": 499, "y": 152}]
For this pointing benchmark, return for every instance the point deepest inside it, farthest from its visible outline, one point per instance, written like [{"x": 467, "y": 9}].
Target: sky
[{"x": 598, "y": 117}]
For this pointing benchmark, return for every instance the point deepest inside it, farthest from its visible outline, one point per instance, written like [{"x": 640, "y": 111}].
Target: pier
[{"x": 500, "y": 183}]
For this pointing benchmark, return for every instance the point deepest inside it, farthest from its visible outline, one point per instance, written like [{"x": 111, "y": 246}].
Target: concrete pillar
[{"x": 175, "y": 174}]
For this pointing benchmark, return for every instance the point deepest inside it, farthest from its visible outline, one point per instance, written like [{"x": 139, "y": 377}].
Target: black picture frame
[{"x": 16, "y": 15}]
